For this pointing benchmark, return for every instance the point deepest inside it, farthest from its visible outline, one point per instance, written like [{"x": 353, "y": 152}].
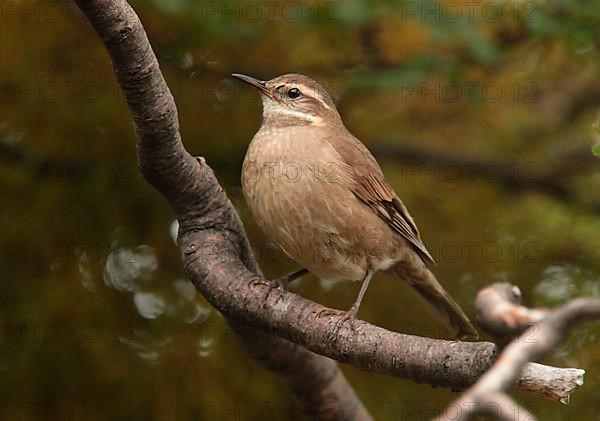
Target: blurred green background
[{"x": 480, "y": 113}]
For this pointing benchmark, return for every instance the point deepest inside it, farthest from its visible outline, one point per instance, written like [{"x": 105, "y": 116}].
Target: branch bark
[{"x": 218, "y": 260}]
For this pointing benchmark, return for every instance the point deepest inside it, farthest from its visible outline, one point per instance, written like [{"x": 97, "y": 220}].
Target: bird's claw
[
  {"x": 349, "y": 316},
  {"x": 282, "y": 282},
  {"x": 272, "y": 285},
  {"x": 327, "y": 312}
]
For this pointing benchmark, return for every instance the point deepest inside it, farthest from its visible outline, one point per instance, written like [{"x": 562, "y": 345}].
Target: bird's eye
[{"x": 294, "y": 93}]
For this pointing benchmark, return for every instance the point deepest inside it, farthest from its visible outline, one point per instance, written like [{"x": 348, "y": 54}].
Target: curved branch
[
  {"x": 218, "y": 260},
  {"x": 201, "y": 205},
  {"x": 541, "y": 337},
  {"x": 235, "y": 291},
  {"x": 501, "y": 315}
]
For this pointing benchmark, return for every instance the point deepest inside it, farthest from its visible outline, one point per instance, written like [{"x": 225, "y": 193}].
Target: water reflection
[
  {"x": 147, "y": 346},
  {"x": 205, "y": 345},
  {"x": 591, "y": 286},
  {"x": 148, "y": 304},
  {"x": 131, "y": 270},
  {"x": 128, "y": 269},
  {"x": 183, "y": 306},
  {"x": 561, "y": 283},
  {"x": 557, "y": 284},
  {"x": 134, "y": 270}
]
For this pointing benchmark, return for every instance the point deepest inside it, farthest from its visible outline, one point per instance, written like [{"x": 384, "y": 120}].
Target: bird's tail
[{"x": 441, "y": 305}]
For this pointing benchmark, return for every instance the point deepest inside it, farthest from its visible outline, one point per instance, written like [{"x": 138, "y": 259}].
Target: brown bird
[{"x": 317, "y": 191}]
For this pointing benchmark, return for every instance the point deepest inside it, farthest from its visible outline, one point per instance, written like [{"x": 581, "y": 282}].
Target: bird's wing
[
  {"x": 374, "y": 191},
  {"x": 370, "y": 186}
]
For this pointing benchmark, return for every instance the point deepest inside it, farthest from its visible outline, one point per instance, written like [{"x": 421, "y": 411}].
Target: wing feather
[
  {"x": 379, "y": 196},
  {"x": 369, "y": 185}
]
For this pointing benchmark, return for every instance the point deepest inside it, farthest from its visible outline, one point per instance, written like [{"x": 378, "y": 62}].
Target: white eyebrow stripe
[{"x": 313, "y": 94}]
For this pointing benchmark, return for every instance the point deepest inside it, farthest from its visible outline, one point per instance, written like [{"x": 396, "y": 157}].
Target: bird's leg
[
  {"x": 283, "y": 281},
  {"x": 353, "y": 312}
]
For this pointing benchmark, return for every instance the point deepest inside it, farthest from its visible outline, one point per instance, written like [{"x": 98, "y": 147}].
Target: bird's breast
[
  {"x": 290, "y": 179},
  {"x": 298, "y": 190}
]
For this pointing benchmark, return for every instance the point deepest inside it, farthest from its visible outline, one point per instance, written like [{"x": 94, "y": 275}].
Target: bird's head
[{"x": 293, "y": 99}]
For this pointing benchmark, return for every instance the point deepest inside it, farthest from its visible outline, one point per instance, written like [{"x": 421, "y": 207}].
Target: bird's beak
[{"x": 258, "y": 84}]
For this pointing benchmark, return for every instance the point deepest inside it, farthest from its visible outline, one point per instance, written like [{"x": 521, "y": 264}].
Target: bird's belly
[{"x": 317, "y": 220}]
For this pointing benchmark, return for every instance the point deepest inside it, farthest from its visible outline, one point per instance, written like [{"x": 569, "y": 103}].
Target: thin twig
[{"x": 490, "y": 390}]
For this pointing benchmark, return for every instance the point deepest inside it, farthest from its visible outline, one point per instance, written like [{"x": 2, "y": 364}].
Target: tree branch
[
  {"x": 488, "y": 396},
  {"x": 202, "y": 207},
  {"x": 218, "y": 260},
  {"x": 501, "y": 315}
]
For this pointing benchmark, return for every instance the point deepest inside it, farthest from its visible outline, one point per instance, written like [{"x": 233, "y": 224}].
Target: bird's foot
[
  {"x": 272, "y": 285},
  {"x": 349, "y": 316},
  {"x": 328, "y": 312},
  {"x": 283, "y": 282},
  {"x": 291, "y": 277}
]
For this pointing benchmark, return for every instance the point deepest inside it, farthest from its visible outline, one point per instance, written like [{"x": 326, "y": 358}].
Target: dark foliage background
[{"x": 97, "y": 320}]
